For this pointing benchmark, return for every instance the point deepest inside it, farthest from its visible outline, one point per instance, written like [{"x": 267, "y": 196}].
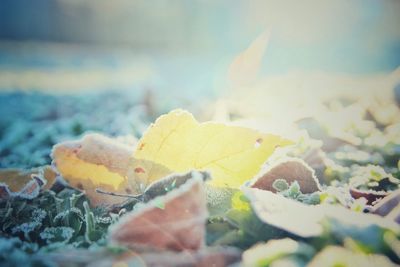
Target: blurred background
[
  {"x": 105, "y": 65},
  {"x": 187, "y": 45}
]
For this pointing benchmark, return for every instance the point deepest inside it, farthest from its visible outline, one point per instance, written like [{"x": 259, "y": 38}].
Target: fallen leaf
[
  {"x": 264, "y": 254},
  {"x": 99, "y": 162},
  {"x": 245, "y": 67},
  {"x": 384, "y": 206},
  {"x": 215, "y": 256},
  {"x": 371, "y": 196},
  {"x": 333, "y": 256},
  {"x": 175, "y": 143},
  {"x": 171, "y": 182},
  {"x": 47, "y": 174},
  {"x": 205, "y": 257},
  {"x": 175, "y": 221},
  {"x": 232, "y": 154},
  {"x": 25, "y": 183},
  {"x": 290, "y": 170},
  {"x": 373, "y": 183},
  {"x": 305, "y": 220}
]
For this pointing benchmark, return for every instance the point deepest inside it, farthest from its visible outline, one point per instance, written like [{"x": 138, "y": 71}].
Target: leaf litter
[{"x": 191, "y": 194}]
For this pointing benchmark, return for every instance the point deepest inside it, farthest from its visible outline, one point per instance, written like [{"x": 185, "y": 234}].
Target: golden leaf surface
[
  {"x": 232, "y": 154},
  {"x": 98, "y": 162},
  {"x": 175, "y": 143}
]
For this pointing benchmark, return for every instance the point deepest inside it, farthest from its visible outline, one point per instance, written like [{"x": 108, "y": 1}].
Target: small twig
[{"x": 137, "y": 197}]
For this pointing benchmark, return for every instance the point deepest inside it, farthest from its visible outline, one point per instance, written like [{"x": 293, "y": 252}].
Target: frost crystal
[
  {"x": 61, "y": 215},
  {"x": 104, "y": 220},
  {"x": 25, "y": 228},
  {"x": 37, "y": 218},
  {"x": 57, "y": 234},
  {"x": 38, "y": 215}
]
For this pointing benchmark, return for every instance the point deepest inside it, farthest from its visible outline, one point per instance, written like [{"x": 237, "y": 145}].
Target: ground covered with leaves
[{"x": 87, "y": 181}]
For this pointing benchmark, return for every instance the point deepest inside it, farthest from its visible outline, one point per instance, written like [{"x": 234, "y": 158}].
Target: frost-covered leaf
[
  {"x": 372, "y": 177},
  {"x": 304, "y": 220},
  {"x": 371, "y": 196},
  {"x": 175, "y": 221},
  {"x": 99, "y": 162},
  {"x": 47, "y": 174},
  {"x": 215, "y": 256},
  {"x": 94, "y": 161},
  {"x": 386, "y": 205},
  {"x": 289, "y": 170},
  {"x": 175, "y": 142},
  {"x": 333, "y": 256},
  {"x": 239, "y": 225},
  {"x": 368, "y": 238},
  {"x": 372, "y": 183},
  {"x": 18, "y": 183},
  {"x": 232, "y": 154},
  {"x": 171, "y": 182},
  {"x": 250, "y": 228},
  {"x": 265, "y": 254}
]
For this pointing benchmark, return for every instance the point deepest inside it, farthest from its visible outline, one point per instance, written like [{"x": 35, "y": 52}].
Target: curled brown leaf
[{"x": 290, "y": 170}]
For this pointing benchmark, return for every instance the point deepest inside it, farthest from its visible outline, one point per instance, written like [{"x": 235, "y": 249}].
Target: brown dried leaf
[
  {"x": 170, "y": 182},
  {"x": 370, "y": 195},
  {"x": 387, "y": 204},
  {"x": 175, "y": 221},
  {"x": 25, "y": 184},
  {"x": 48, "y": 174},
  {"x": 216, "y": 257},
  {"x": 290, "y": 170}
]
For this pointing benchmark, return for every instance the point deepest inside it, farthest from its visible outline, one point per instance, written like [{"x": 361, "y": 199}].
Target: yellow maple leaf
[
  {"x": 175, "y": 143},
  {"x": 232, "y": 154}
]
